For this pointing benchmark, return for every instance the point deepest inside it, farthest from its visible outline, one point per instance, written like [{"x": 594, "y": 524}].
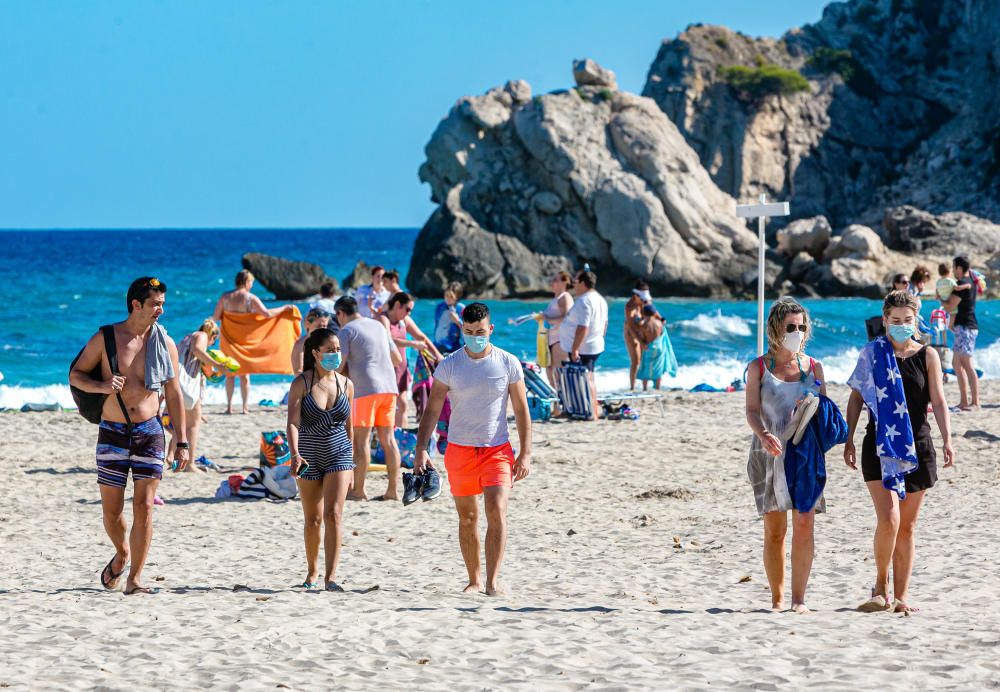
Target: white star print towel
[{"x": 876, "y": 378}]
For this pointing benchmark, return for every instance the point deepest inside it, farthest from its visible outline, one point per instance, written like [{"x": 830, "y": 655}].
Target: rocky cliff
[
  {"x": 899, "y": 106},
  {"x": 529, "y": 185}
]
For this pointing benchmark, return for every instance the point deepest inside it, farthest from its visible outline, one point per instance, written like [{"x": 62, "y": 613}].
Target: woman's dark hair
[
  {"x": 391, "y": 275},
  {"x": 475, "y": 312},
  {"x": 243, "y": 277},
  {"x": 899, "y": 278},
  {"x": 142, "y": 288},
  {"x": 401, "y": 297},
  {"x": 313, "y": 342},
  {"x": 641, "y": 285}
]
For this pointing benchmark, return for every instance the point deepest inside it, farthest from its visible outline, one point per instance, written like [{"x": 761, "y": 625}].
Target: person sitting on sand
[
  {"x": 130, "y": 437},
  {"x": 193, "y": 354},
  {"x": 315, "y": 319},
  {"x": 639, "y": 297},
  {"x": 241, "y": 300},
  {"x": 399, "y": 323},
  {"x": 919, "y": 368},
  {"x": 447, "y": 320},
  {"x": 776, "y": 382},
  {"x": 370, "y": 360},
  {"x": 320, "y": 439},
  {"x": 480, "y": 379}
]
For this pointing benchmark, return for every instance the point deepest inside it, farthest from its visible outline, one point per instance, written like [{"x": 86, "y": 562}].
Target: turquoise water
[{"x": 57, "y": 287}]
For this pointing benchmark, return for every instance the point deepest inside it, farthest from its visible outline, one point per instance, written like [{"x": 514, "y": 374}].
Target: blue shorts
[
  {"x": 142, "y": 452},
  {"x": 589, "y": 361},
  {"x": 965, "y": 340}
]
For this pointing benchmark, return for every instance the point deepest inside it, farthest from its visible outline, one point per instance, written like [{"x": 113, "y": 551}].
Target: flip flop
[
  {"x": 899, "y": 606},
  {"x": 875, "y": 604},
  {"x": 334, "y": 586},
  {"x": 140, "y": 589},
  {"x": 106, "y": 583},
  {"x": 803, "y": 413},
  {"x": 308, "y": 585}
]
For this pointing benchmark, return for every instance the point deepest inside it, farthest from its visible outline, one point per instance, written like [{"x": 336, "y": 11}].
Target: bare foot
[
  {"x": 194, "y": 468},
  {"x": 245, "y": 411},
  {"x": 800, "y": 608},
  {"x": 134, "y": 587},
  {"x": 357, "y": 498},
  {"x": 778, "y": 606},
  {"x": 390, "y": 498},
  {"x": 228, "y": 411},
  {"x": 495, "y": 590},
  {"x": 473, "y": 588}
]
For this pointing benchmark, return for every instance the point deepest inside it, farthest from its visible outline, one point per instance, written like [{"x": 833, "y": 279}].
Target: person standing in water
[
  {"x": 776, "y": 382},
  {"x": 919, "y": 367},
  {"x": 241, "y": 300},
  {"x": 633, "y": 328},
  {"x": 320, "y": 438},
  {"x": 130, "y": 437},
  {"x": 480, "y": 379}
]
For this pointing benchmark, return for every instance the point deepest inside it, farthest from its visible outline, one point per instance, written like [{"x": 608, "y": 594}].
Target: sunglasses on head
[{"x": 789, "y": 328}]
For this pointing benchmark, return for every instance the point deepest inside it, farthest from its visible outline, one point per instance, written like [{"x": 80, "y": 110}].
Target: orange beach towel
[{"x": 261, "y": 345}]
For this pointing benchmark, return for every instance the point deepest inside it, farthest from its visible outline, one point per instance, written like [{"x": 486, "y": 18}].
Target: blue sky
[{"x": 284, "y": 114}]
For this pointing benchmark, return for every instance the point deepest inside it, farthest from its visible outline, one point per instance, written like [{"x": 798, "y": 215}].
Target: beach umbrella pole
[{"x": 762, "y": 210}]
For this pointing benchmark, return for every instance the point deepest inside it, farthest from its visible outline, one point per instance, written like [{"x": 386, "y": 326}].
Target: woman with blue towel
[
  {"x": 897, "y": 378},
  {"x": 776, "y": 383}
]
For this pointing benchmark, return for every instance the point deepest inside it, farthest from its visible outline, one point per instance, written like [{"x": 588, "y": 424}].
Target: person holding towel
[
  {"x": 897, "y": 378},
  {"x": 776, "y": 383}
]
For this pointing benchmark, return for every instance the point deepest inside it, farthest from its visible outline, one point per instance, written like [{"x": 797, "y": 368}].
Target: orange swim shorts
[
  {"x": 470, "y": 469},
  {"x": 374, "y": 411}
]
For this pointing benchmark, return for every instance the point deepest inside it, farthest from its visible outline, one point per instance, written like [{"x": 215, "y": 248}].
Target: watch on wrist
[{"x": 183, "y": 445}]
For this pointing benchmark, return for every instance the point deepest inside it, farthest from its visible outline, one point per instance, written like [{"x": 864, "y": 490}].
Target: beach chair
[
  {"x": 574, "y": 391},
  {"x": 541, "y": 396}
]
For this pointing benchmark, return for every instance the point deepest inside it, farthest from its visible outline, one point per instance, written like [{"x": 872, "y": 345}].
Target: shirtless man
[
  {"x": 130, "y": 437},
  {"x": 480, "y": 379},
  {"x": 242, "y": 300}
]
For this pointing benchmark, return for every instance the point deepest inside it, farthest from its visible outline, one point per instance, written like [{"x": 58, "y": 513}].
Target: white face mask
[{"x": 793, "y": 341}]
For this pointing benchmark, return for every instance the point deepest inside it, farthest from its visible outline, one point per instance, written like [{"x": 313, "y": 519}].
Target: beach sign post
[{"x": 762, "y": 210}]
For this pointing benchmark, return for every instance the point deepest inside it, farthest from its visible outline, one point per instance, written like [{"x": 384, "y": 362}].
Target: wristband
[{"x": 183, "y": 445}]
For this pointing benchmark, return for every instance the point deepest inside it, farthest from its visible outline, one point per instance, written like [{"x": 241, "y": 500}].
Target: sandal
[
  {"x": 334, "y": 586},
  {"x": 899, "y": 606},
  {"x": 140, "y": 589},
  {"x": 106, "y": 581},
  {"x": 875, "y": 604},
  {"x": 308, "y": 585}
]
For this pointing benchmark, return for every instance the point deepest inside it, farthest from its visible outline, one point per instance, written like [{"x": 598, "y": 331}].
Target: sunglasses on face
[
  {"x": 905, "y": 282},
  {"x": 789, "y": 328}
]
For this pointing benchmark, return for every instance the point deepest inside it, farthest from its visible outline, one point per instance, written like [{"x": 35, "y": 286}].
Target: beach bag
[
  {"x": 88, "y": 404},
  {"x": 540, "y": 409},
  {"x": 406, "y": 442},
  {"x": 979, "y": 281},
  {"x": 279, "y": 482},
  {"x": 274, "y": 449}
]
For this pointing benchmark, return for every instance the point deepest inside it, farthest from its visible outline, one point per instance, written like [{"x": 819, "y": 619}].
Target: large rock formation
[
  {"x": 900, "y": 108},
  {"x": 529, "y": 186},
  {"x": 286, "y": 279}
]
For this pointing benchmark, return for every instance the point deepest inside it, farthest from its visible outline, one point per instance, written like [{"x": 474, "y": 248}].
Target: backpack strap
[{"x": 111, "y": 348}]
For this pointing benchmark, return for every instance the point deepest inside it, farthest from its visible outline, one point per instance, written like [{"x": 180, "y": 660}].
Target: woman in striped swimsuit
[{"x": 319, "y": 405}]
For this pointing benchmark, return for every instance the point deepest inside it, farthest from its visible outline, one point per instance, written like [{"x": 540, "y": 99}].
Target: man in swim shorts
[
  {"x": 479, "y": 379},
  {"x": 370, "y": 358},
  {"x": 130, "y": 437}
]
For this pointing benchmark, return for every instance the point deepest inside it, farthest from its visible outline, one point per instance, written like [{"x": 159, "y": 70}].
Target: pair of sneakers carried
[{"x": 426, "y": 486}]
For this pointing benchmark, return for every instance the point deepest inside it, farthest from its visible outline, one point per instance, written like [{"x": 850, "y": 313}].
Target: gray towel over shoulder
[{"x": 159, "y": 368}]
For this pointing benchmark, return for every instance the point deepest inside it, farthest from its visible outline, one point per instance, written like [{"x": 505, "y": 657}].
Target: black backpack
[{"x": 89, "y": 404}]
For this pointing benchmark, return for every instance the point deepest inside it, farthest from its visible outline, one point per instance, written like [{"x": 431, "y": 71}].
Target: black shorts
[
  {"x": 923, "y": 478},
  {"x": 589, "y": 362}
]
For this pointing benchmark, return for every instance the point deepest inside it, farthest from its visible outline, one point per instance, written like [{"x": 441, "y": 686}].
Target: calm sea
[{"x": 57, "y": 287}]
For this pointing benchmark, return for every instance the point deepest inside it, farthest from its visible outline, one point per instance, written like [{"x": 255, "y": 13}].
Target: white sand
[{"x": 608, "y": 590}]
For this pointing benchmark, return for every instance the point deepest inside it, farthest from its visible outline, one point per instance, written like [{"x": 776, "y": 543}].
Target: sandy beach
[{"x": 634, "y": 561}]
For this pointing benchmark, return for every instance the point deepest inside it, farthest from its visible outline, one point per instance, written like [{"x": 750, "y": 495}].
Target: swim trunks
[
  {"x": 375, "y": 411},
  {"x": 965, "y": 340},
  {"x": 142, "y": 452},
  {"x": 589, "y": 361},
  {"x": 470, "y": 469}
]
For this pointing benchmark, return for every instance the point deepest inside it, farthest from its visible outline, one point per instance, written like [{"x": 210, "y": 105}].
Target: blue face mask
[
  {"x": 331, "y": 361},
  {"x": 901, "y": 333},
  {"x": 476, "y": 344}
]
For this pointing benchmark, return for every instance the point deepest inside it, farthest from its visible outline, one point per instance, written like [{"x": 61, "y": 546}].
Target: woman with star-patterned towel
[{"x": 897, "y": 378}]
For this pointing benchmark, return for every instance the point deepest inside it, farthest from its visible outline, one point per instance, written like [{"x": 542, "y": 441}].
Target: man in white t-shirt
[
  {"x": 582, "y": 331},
  {"x": 373, "y": 296},
  {"x": 479, "y": 379}
]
